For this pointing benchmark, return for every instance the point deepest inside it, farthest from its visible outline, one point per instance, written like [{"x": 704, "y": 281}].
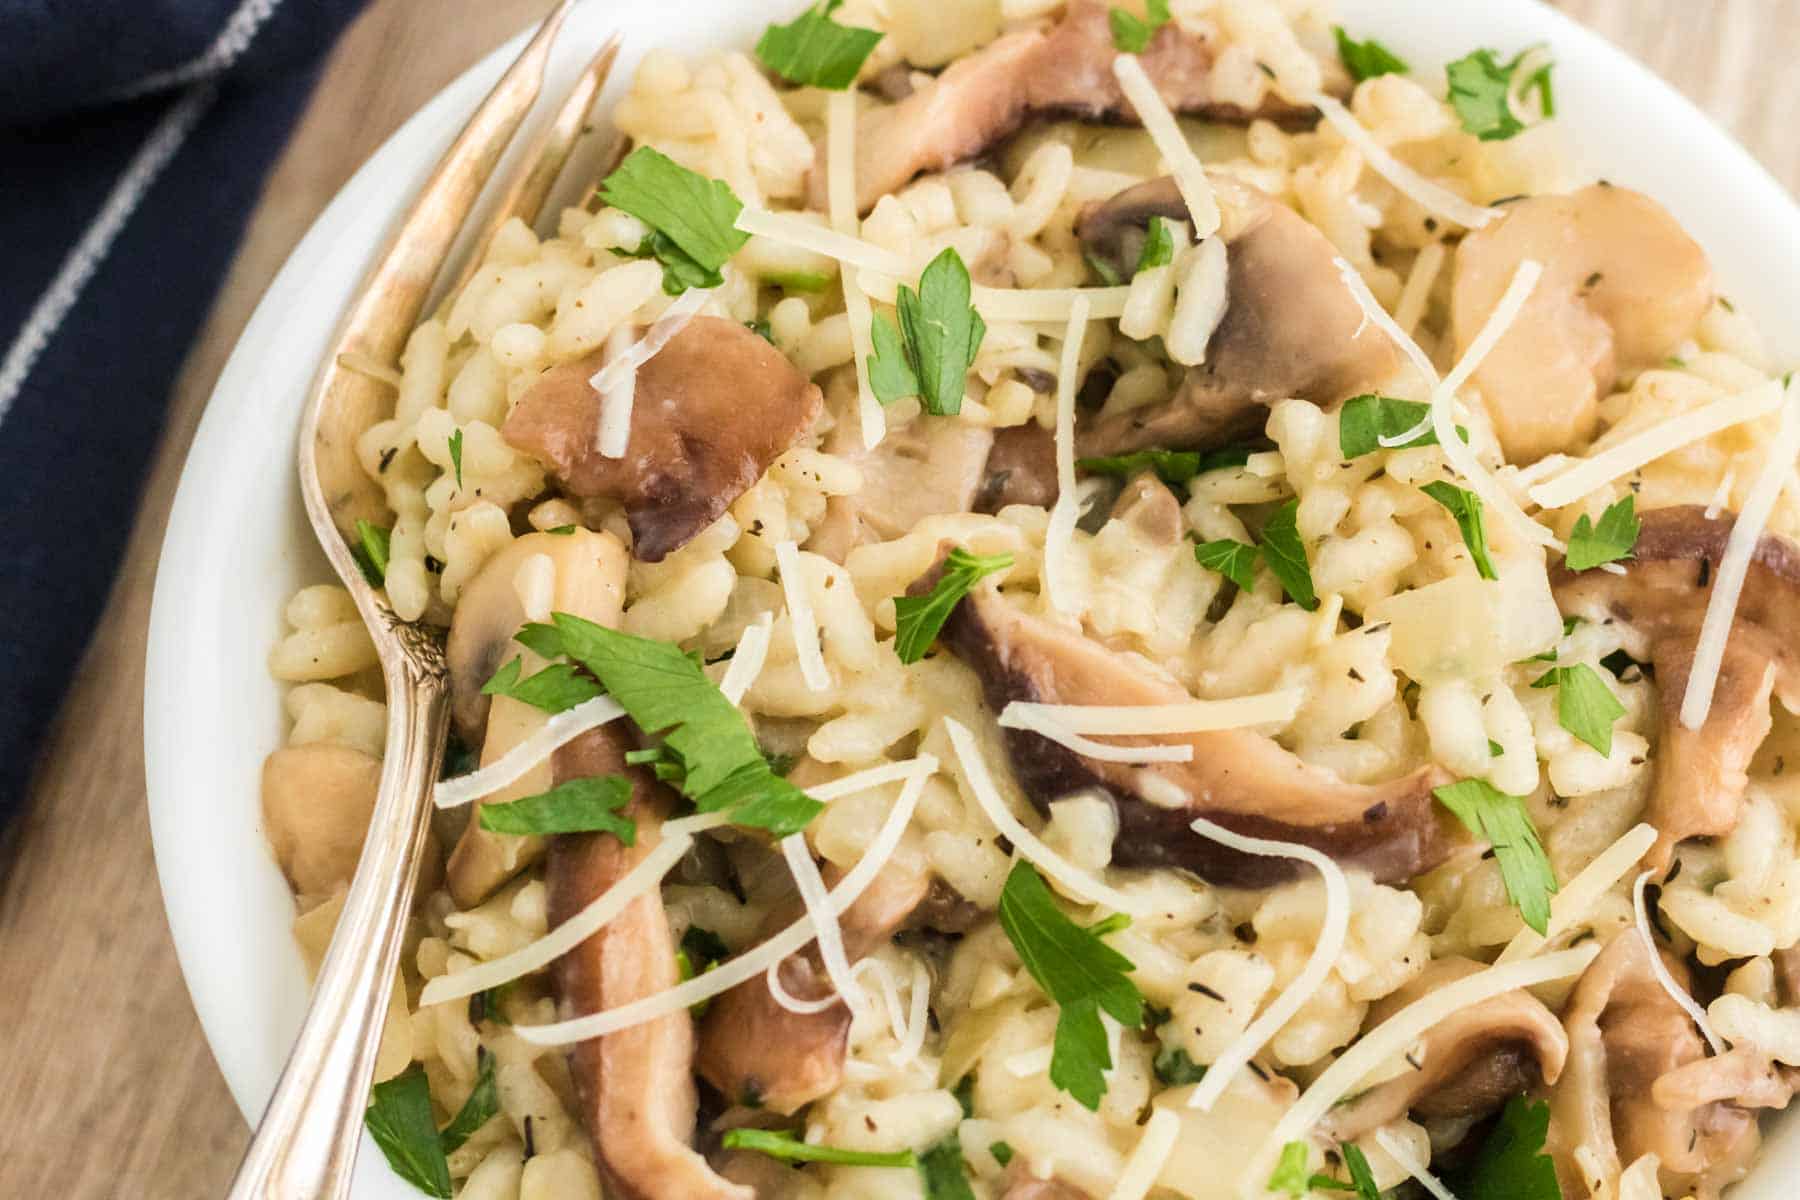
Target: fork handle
[{"x": 305, "y": 1147}]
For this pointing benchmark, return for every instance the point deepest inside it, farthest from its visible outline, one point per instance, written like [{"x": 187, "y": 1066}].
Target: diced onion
[
  {"x": 1072, "y": 878},
  {"x": 792, "y": 229},
  {"x": 1740, "y": 548},
  {"x": 1394, "y": 1036},
  {"x": 1171, "y": 143},
  {"x": 1434, "y": 198},
  {"x": 1577, "y": 897},
  {"x": 558, "y": 731},
  {"x": 1190, "y": 716},
  {"x": 1330, "y": 943},
  {"x": 747, "y": 660},
  {"x": 800, "y": 617},
  {"x": 1059, "y": 538},
  {"x": 1585, "y": 476},
  {"x": 757, "y": 959},
  {"x": 613, "y": 434},
  {"x": 1148, "y": 1157},
  {"x": 1403, "y": 1158},
  {"x": 677, "y": 838},
  {"x": 674, "y": 319},
  {"x": 1660, "y": 969}
]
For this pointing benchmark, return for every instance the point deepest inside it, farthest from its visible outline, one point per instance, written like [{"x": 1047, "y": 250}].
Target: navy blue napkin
[{"x": 134, "y": 139}]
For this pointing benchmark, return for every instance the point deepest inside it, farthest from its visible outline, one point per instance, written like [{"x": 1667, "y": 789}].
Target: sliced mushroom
[
  {"x": 1623, "y": 285},
  {"x": 1021, "y": 469},
  {"x": 589, "y": 582},
  {"x": 1238, "y": 778},
  {"x": 1064, "y": 71},
  {"x": 1625, "y": 1033},
  {"x": 1743, "y": 1076},
  {"x": 638, "y": 1100},
  {"x": 1467, "y": 1066},
  {"x": 762, "y": 1055},
  {"x": 1021, "y": 1185},
  {"x": 1661, "y": 600},
  {"x": 712, "y": 410},
  {"x": 932, "y": 466},
  {"x": 317, "y": 800},
  {"x": 1291, "y": 327}
]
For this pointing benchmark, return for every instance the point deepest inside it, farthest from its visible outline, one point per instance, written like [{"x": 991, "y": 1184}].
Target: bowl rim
[{"x": 249, "y": 1000}]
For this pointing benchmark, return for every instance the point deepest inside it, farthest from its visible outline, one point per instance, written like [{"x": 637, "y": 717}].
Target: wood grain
[{"x": 106, "y": 1086}]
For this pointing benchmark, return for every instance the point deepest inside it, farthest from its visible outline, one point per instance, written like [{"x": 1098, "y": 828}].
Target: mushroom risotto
[{"x": 1052, "y": 600}]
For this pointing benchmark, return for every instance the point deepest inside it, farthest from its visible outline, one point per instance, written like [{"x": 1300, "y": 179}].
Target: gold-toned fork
[{"x": 305, "y": 1146}]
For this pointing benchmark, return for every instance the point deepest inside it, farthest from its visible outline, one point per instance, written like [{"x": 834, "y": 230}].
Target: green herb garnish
[
  {"x": 942, "y": 1173},
  {"x": 1465, "y": 506},
  {"x": 478, "y": 1109},
  {"x": 1173, "y": 467},
  {"x": 779, "y": 1143},
  {"x": 1366, "y": 60},
  {"x": 456, "y": 444},
  {"x": 694, "y": 218},
  {"x": 917, "y": 619},
  {"x": 1131, "y": 33},
  {"x": 593, "y": 805},
  {"x": 815, "y": 51},
  {"x": 1285, "y": 553},
  {"x": 1479, "y": 85},
  {"x": 399, "y": 1119},
  {"x": 1174, "y": 1067},
  {"x": 554, "y": 689},
  {"x": 371, "y": 551},
  {"x": 1290, "y": 1174},
  {"x": 940, "y": 332},
  {"x": 1159, "y": 244},
  {"x": 1234, "y": 560},
  {"x": 1490, "y": 813},
  {"x": 1366, "y": 419},
  {"x": 1611, "y": 540},
  {"x": 1512, "y": 1164},
  {"x": 1585, "y": 706}
]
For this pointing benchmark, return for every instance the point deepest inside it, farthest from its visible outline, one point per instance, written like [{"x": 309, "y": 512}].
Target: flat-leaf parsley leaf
[
  {"x": 1465, "y": 506},
  {"x": 814, "y": 51},
  {"x": 696, "y": 215},
  {"x": 917, "y": 619},
  {"x": 1234, "y": 560},
  {"x": 779, "y": 1143},
  {"x": 1366, "y": 60},
  {"x": 1490, "y": 813},
  {"x": 1132, "y": 33},
  {"x": 1285, "y": 553},
  {"x": 1585, "y": 706},
  {"x": 1479, "y": 87},
  {"x": 1611, "y": 540},
  {"x": 592, "y": 805},
  {"x": 941, "y": 332}
]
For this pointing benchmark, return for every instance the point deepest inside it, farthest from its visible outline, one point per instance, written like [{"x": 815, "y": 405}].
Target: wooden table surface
[{"x": 107, "y": 1088}]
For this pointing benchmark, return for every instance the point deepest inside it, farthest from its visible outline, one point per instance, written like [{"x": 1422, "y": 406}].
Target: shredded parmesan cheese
[
  {"x": 918, "y": 1016},
  {"x": 829, "y": 933},
  {"x": 840, "y": 191},
  {"x": 1417, "y": 292},
  {"x": 1740, "y": 548},
  {"x": 1378, "y": 316},
  {"x": 1234, "y": 1057},
  {"x": 793, "y": 229},
  {"x": 747, "y": 660},
  {"x": 556, "y": 732},
  {"x": 534, "y": 583},
  {"x": 1148, "y": 1157},
  {"x": 1171, "y": 143},
  {"x": 1722, "y": 494},
  {"x": 1072, "y": 878},
  {"x": 1403, "y": 1158},
  {"x": 1059, "y": 538},
  {"x": 674, "y": 319},
  {"x": 1191, "y": 716},
  {"x": 1434, "y": 198},
  {"x": 787, "y": 999},
  {"x": 862, "y": 781},
  {"x": 1049, "y": 304},
  {"x": 800, "y": 617},
  {"x": 1588, "y": 475},
  {"x": 1049, "y": 727},
  {"x": 1392, "y": 1037},
  {"x": 756, "y": 960},
  {"x": 1577, "y": 897},
  {"x": 677, "y": 838},
  {"x": 1660, "y": 969},
  {"x": 613, "y": 434}
]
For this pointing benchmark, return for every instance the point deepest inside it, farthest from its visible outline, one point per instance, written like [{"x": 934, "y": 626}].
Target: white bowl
[{"x": 238, "y": 544}]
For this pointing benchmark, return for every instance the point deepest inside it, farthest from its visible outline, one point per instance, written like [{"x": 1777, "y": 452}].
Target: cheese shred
[
  {"x": 1577, "y": 898},
  {"x": 1171, "y": 143},
  {"x": 840, "y": 190},
  {"x": 1403, "y": 1158},
  {"x": 1434, "y": 198},
  {"x": 800, "y": 617},
  {"x": 829, "y": 933},
  {"x": 1059, "y": 538},
  {"x": 557, "y": 732},
  {"x": 1677, "y": 993},
  {"x": 1148, "y": 1157}
]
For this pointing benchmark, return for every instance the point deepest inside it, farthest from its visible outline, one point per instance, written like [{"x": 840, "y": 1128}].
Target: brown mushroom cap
[
  {"x": 713, "y": 409},
  {"x": 636, "y": 1086},
  {"x": 933, "y": 465},
  {"x": 1291, "y": 327},
  {"x": 1623, "y": 285},
  {"x": 1238, "y": 778},
  {"x": 1468, "y": 1065},
  {"x": 1625, "y": 1033},
  {"x": 1661, "y": 600},
  {"x": 1067, "y": 70}
]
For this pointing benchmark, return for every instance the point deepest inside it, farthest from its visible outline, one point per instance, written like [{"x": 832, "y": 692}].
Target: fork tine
[
  {"x": 542, "y": 163},
  {"x": 381, "y": 317}
]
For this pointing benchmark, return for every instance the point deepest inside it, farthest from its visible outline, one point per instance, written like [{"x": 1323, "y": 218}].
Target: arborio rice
[{"x": 1443, "y": 640}]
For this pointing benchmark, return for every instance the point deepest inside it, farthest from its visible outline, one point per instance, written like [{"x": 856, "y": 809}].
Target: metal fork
[{"x": 305, "y": 1147}]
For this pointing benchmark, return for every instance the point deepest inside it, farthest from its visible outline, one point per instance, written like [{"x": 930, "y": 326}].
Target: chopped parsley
[
  {"x": 1173, "y": 467},
  {"x": 940, "y": 332},
  {"x": 399, "y": 1118},
  {"x": 1609, "y": 540},
  {"x": 1465, "y": 506},
  {"x": 370, "y": 550},
  {"x": 1512, "y": 1164},
  {"x": 942, "y": 1172},
  {"x": 1490, "y": 813},
  {"x": 1290, "y": 1174},
  {"x": 1361, "y": 1177},
  {"x": 1585, "y": 706},
  {"x": 917, "y": 619},
  {"x": 1479, "y": 85},
  {"x": 1366, "y": 60},
  {"x": 805, "y": 282},
  {"x": 554, "y": 689},
  {"x": 1081, "y": 973},
  {"x": 562, "y": 530},
  {"x": 1234, "y": 560},
  {"x": 1131, "y": 33},
  {"x": 1002, "y": 1152},
  {"x": 593, "y": 805},
  {"x": 456, "y": 444},
  {"x": 693, "y": 217},
  {"x": 779, "y": 1143},
  {"x": 1174, "y": 1067},
  {"x": 1366, "y": 419},
  {"x": 1285, "y": 553},
  {"x": 1159, "y": 245},
  {"x": 814, "y": 51}
]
